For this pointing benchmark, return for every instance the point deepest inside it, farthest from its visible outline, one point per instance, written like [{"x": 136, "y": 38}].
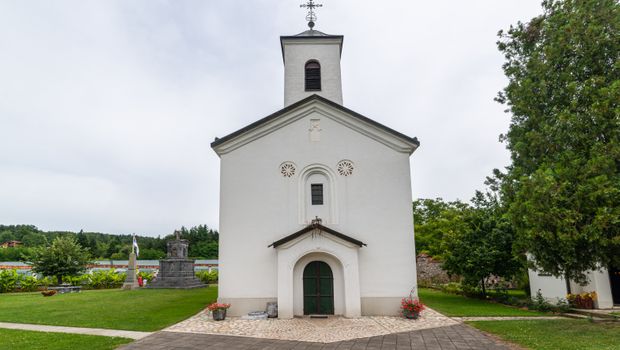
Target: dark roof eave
[
  {"x": 312, "y": 227},
  {"x": 219, "y": 141}
]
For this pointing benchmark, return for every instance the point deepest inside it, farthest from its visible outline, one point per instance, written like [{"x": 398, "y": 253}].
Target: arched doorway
[{"x": 318, "y": 286}]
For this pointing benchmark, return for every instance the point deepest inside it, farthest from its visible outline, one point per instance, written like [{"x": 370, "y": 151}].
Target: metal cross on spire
[{"x": 311, "y": 16}]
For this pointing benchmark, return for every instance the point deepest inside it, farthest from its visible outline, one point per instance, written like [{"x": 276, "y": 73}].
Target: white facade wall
[
  {"x": 258, "y": 205},
  {"x": 553, "y": 288},
  {"x": 299, "y": 51}
]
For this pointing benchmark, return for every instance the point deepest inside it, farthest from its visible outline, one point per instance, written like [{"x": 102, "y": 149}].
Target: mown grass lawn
[
  {"x": 460, "y": 306},
  {"x": 139, "y": 310},
  {"x": 18, "y": 339},
  {"x": 555, "y": 334}
]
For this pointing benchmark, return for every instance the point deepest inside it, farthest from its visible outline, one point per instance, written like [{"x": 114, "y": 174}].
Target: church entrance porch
[
  {"x": 318, "y": 287},
  {"x": 318, "y": 273}
]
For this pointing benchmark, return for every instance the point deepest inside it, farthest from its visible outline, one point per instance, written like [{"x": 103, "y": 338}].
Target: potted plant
[
  {"x": 411, "y": 307},
  {"x": 218, "y": 311},
  {"x": 582, "y": 301}
]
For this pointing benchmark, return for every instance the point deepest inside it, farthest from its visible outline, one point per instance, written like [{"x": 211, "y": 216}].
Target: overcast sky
[{"x": 107, "y": 108}]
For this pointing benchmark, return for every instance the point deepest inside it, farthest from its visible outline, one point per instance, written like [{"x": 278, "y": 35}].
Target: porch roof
[{"x": 317, "y": 226}]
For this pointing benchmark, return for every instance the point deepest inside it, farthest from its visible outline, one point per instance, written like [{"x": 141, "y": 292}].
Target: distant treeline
[{"x": 203, "y": 243}]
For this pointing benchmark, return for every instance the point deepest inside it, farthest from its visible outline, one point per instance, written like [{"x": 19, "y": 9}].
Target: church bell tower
[{"x": 312, "y": 63}]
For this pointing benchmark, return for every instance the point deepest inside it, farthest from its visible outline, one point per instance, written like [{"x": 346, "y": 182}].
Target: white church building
[{"x": 315, "y": 200}]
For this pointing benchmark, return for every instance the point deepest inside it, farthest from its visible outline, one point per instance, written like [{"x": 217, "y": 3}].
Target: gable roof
[
  {"x": 312, "y": 227},
  {"x": 315, "y": 97}
]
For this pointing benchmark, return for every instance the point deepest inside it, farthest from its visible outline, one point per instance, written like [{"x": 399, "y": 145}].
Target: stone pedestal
[
  {"x": 131, "y": 281},
  {"x": 176, "y": 271}
]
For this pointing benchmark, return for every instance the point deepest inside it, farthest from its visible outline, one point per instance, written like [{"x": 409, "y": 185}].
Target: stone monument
[
  {"x": 176, "y": 270},
  {"x": 131, "y": 281}
]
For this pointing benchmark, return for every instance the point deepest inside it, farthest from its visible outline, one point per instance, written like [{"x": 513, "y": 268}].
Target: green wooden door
[{"x": 318, "y": 289}]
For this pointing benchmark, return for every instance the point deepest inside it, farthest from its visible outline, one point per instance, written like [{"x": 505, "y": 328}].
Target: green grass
[
  {"x": 459, "y": 306},
  {"x": 517, "y": 293},
  {"x": 555, "y": 334},
  {"x": 18, "y": 339},
  {"x": 139, "y": 310}
]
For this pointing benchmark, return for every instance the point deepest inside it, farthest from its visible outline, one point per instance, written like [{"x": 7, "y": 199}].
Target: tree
[
  {"x": 151, "y": 254},
  {"x": 480, "y": 245},
  {"x": 65, "y": 257},
  {"x": 34, "y": 240},
  {"x": 6, "y": 236},
  {"x": 563, "y": 187},
  {"x": 83, "y": 240},
  {"x": 433, "y": 218},
  {"x": 206, "y": 250}
]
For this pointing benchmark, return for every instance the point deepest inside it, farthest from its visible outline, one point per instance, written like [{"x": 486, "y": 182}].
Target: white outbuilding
[
  {"x": 315, "y": 200},
  {"x": 604, "y": 282}
]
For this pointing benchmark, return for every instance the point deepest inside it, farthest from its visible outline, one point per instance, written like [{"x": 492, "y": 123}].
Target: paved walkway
[
  {"x": 323, "y": 330},
  {"x": 76, "y": 330},
  {"x": 458, "y": 336}
]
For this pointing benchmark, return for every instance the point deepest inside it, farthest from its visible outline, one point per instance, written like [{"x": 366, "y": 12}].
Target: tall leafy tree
[
  {"x": 480, "y": 245},
  {"x": 563, "y": 187},
  {"x": 65, "y": 257},
  {"x": 433, "y": 218}
]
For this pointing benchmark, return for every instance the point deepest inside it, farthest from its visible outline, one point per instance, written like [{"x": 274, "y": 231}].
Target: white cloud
[{"x": 107, "y": 108}]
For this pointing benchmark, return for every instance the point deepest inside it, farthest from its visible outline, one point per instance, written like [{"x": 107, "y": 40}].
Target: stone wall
[{"x": 430, "y": 271}]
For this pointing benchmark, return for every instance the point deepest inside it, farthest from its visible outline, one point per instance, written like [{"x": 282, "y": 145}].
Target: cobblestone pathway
[
  {"x": 457, "y": 336},
  {"x": 328, "y": 330}
]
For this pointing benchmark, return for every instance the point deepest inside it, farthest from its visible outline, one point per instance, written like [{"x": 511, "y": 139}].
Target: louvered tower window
[{"x": 313, "y": 76}]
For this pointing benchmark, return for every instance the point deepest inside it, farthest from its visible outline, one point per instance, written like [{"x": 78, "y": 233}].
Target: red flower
[
  {"x": 409, "y": 305},
  {"x": 216, "y": 306}
]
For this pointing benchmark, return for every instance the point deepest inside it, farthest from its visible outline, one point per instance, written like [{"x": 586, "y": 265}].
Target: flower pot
[
  {"x": 219, "y": 314},
  {"x": 412, "y": 315},
  {"x": 272, "y": 309}
]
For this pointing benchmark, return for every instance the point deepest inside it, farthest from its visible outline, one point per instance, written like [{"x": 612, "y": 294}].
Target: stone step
[
  {"x": 588, "y": 317},
  {"x": 586, "y": 312}
]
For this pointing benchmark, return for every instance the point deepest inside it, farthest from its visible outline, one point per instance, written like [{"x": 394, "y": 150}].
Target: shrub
[
  {"x": 28, "y": 284},
  {"x": 452, "y": 288},
  {"x": 539, "y": 303},
  {"x": 106, "y": 279},
  {"x": 146, "y": 276},
  {"x": 8, "y": 280},
  {"x": 45, "y": 282},
  {"x": 80, "y": 280},
  {"x": 208, "y": 277}
]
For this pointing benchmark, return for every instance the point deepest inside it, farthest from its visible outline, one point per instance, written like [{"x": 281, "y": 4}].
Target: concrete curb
[{"x": 76, "y": 330}]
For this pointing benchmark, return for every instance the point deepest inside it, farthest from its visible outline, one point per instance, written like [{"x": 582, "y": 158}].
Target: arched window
[{"x": 313, "y": 76}]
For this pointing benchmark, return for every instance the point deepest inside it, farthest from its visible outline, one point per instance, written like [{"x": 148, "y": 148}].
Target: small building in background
[
  {"x": 605, "y": 282},
  {"x": 11, "y": 244}
]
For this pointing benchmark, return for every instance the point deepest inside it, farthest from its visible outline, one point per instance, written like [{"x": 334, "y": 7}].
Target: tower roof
[{"x": 310, "y": 34}]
